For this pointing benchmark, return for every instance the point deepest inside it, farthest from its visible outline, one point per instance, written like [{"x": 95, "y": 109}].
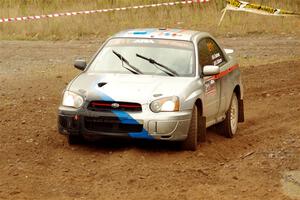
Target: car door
[
  {"x": 225, "y": 78},
  {"x": 211, "y": 54}
]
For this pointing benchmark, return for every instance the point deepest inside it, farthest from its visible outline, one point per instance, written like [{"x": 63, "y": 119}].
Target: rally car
[{"x": 156, "y": 84}]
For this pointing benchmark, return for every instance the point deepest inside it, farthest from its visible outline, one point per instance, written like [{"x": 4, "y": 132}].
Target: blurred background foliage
[{"x": 204, "y": 17}]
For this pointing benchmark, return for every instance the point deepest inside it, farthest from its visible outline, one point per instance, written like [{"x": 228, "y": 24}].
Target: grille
[
  {"x": 110, "y": 125},
  {"x": 110, "y": 105}
]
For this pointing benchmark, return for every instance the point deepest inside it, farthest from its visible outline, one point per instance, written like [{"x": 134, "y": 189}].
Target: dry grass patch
[{"x": 203, "y": 17}]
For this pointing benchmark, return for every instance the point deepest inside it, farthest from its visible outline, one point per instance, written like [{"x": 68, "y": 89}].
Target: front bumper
[{"x": 147, "y": 125}]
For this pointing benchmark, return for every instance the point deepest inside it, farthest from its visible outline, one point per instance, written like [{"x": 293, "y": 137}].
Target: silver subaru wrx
[{"x": 162, "y": 84}]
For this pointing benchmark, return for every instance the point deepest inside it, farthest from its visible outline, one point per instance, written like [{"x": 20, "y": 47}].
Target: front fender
[{"x": 193, "y": 93}]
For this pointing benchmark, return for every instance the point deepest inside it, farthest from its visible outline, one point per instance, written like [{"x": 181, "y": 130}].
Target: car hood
[{"x": 128, "y": 88}]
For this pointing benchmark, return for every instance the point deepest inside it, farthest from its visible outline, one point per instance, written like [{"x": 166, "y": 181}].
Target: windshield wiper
[
  {"x": 165, "y": 69},
  {"x": 132, "y": 69}
]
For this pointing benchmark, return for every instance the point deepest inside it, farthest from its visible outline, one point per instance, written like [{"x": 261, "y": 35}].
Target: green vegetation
[{"x": 203, "y": 17}]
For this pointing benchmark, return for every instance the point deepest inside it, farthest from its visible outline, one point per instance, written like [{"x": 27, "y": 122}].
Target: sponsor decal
[
  {"x": 210, "y": 46},
  {"x": 218, "y": 61},
  {"x": 215, "y": 56},
  {"x": 225, "y": 72},
  {"x": 210, "y": 87}
]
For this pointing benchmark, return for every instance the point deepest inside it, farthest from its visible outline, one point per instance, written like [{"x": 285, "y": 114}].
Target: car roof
[{"x": 158, "y": 33}]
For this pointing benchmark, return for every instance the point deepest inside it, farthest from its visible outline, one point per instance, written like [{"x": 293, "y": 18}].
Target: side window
[
  {"x": 204, "y": 54},
  {"x": 210, "y": 53}
]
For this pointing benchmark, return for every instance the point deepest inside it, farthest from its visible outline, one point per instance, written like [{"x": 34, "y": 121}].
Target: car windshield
[{"x": 177, "y": 56}]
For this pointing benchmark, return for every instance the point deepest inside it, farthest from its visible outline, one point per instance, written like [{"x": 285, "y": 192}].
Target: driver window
[
  {"x": 210, "y": 53},
  {"x": 204, "y": 55}
]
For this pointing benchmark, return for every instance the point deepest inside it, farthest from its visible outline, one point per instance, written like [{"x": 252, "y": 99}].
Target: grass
[{"x": 204, "y": 17}]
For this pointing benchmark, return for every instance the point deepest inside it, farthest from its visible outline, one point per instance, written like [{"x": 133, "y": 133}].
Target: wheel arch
[
  {"x": 201, "y": 121},
  {"x": 237, "y": 91},
  {"x": 199, "y": 105}
]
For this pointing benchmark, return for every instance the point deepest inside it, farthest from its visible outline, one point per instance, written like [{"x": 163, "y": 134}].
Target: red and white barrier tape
[{"x": 14, "y": 19}]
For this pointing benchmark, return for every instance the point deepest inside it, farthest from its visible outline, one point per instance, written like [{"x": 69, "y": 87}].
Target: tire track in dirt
[{"x": 36, "y": 162}]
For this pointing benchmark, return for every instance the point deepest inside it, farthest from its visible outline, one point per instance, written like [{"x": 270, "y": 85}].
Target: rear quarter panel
[{"x": 229, "y": 82}]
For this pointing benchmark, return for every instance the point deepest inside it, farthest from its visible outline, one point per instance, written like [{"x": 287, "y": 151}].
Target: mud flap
[
  {"x": 241, "y": 111},
  {"x": 201, "y": 129}
]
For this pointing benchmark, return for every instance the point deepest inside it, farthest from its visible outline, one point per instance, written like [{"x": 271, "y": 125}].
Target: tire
[
  {"x": 230, "y": 124},
  {"x": 75, "y": 139},
  {"x": 190, "y": 143}
]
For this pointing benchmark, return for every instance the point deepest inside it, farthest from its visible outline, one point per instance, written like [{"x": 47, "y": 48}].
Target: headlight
[
  {"x": 71, "y": 99},
  {"x": 168, "y": 104}
]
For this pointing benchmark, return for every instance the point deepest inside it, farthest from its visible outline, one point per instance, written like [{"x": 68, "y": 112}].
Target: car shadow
[
  {"x": 120, "y": 144},
  {"x": 108, "y": 144}
]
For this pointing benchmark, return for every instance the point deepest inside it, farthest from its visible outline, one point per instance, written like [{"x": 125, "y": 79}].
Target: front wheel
[
  {"x": 230, "y": 124},
  {"x": 191, "y": 141}
]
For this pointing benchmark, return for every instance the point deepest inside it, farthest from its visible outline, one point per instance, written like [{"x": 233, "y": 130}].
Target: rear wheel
[
  {"x": 75, "y": 139},
  {"x": 230, "y": 124},
  {"x": 191, "y": 141}
]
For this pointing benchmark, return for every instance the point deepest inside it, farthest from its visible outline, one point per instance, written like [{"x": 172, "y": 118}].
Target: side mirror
[
  {"x": 80, "y": 64},
  {"x": 210, "y": 70},
  {"x": 229, "y": 51}
]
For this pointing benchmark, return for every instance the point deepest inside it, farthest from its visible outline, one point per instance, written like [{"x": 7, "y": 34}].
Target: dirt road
[{"x": 261, "y": 162}]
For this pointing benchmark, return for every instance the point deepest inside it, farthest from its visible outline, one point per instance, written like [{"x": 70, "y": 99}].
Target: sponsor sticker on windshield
[
  {"x": 210, "y": 46},
  {"x": 215, "y": 56},
  {"x": 143, "y": 41},
  {"x": 139, "y": 41},
  {"x": 218, "y": 61}
]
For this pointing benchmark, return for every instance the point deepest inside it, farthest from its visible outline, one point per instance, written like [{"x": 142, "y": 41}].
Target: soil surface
[{"x": 261, "y": 162}]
